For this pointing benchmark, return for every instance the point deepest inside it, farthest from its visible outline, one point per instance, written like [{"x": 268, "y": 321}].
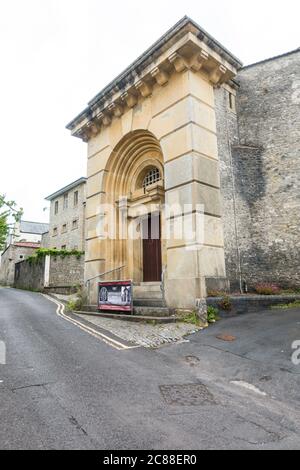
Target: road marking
[
  {"x": 252, "y": 388},
  {"x": 106, "y": 339}
]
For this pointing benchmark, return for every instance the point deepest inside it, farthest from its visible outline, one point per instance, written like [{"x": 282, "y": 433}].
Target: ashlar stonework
[{"x": 187, "y": 126}]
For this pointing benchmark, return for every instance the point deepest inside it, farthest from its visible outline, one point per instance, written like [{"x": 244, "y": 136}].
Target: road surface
[{"x": 63, "y": 387}]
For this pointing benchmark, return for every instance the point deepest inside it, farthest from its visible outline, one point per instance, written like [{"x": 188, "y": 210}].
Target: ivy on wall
[{"x": 41, "y": 253}]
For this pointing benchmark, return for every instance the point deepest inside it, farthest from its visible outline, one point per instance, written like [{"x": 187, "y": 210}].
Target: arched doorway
[{"x": 135, "y": 188}]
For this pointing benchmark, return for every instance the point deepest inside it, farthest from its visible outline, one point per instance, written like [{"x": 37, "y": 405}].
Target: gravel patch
[{"x": 144, "y": 334}]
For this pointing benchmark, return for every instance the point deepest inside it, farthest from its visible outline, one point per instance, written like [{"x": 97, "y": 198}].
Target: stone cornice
[{"x": 180, "y": 51}]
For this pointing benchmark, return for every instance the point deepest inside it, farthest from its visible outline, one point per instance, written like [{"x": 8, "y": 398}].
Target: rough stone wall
[
  {"x": 72, "y": 238},
  {"x": 262, "y": 185},
  {"x": 9, "y": 258},
  {"x": 45, "y": 242},
  {"x": 68, "y": 271},
  {"x": 227, "y": 131},
  {"x": 30, "y": 276},
  {"x": 64, "y": 272}
]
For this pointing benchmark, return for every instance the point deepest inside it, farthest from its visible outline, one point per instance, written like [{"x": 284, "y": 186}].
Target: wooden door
[{"x": 152, "y": 263}]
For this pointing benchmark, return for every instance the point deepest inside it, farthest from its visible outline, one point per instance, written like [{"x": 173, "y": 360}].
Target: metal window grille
[{"x": 153, "y": 176}]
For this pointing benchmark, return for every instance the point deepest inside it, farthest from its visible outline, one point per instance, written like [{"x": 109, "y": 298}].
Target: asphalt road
[{"x": 63, "y": 388}]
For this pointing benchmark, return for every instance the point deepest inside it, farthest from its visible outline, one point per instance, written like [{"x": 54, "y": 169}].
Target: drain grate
[{"x": 187, "y": 395}]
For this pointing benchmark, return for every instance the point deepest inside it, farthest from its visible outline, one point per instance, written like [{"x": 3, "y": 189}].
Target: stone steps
[
  {"x": 132, "y": 318},
  {"x": 146, "y": 311},
  {"x": 148, "y": 303}
]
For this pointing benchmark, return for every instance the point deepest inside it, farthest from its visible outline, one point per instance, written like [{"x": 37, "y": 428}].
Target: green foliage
[
  {"x": 8, "y": 211},
  {"x": 73, "y": 305},
  {"x": 41, "y": 253},
  {"x": 190, "y": 317},
  {"x": 216, "y": 293},
  {"x": 295, "y": 304},
  {"x": 291, "y": 291},
  {"x": 212, "y": 314},
  {"x": 79, "y": 303},
  {"x": 225, "y": 304}
]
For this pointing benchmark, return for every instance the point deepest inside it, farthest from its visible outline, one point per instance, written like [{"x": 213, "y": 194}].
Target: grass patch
[
  {"x": 191, "y": 318},
  {"x": 295, "y": 304}
]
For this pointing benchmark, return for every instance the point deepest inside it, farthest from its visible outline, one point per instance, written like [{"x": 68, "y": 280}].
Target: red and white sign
[{"x": 115, "y": 296}]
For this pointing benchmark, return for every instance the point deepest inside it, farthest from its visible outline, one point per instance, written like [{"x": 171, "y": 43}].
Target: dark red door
[{"x": 152, "y": 263}]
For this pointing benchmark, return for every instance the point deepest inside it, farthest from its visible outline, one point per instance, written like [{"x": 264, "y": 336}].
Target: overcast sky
[{"x": 57, "y": 54}]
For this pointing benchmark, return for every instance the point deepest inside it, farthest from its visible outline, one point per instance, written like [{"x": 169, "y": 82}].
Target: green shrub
[
  {"x": 225, "y": 304},
  {"x": 212, "y": 314},
  {"x": 43, "y": 252},
  {"x": 216, "y": 293},
  {"x": 267, "y": 289},
  {"x": 80, "y": 302},
  {"x": 295, "y": 304},
  {"x": 190, "y": 317}
]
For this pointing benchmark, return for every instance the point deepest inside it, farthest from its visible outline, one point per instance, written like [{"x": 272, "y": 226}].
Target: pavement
[
  {"x": 67, "y": 385},
  {"x": 142, "y": 333}
]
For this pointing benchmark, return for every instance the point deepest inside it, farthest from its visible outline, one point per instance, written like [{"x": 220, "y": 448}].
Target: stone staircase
[{"x": 148, "y": 300}]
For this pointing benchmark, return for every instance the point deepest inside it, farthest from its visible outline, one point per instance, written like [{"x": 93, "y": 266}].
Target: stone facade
[
  {"x": 25, "y": 231},
  {"x": 67, "y": 218},
  {"x": 182, "y": 112},
  {"x": 12, "y": 255},
  {"x": 52, "y": 273},
  {"x": 259, "y": 149},
  {"x": 66, "y": 272}
]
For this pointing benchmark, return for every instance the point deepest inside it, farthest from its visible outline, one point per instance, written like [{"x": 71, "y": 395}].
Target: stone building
[
  {"x": 13, "y": 254},
  {"x": 67, "y": 217},
  {"x": 25, "y": 231},
  {"x": 187, "y": 137}
]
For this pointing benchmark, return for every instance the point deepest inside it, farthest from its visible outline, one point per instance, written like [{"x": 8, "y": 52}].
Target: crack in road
[
  {"x": 75, "y": 423},
  {"x": 30, "y": 386}
]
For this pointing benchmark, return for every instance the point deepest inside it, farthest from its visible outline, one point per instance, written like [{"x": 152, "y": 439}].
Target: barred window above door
[{"x": 153, "y": 176}]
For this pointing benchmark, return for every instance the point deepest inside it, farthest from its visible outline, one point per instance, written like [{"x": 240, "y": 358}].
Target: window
[
  {"x": 64, "y": 228},
  {"x": 66, "y": 201},
  {"x": 21, "y": 256},
  {"x": 56, "y": 208},
  {"x": 64, "y": 247},
  {"x": 231, "y": 101},
  {"x": 153, "y": 176},
  {"x": 76, "y": 198},
  {"x": 55, "y": 231},
  {"x": 75, "y": 224}
]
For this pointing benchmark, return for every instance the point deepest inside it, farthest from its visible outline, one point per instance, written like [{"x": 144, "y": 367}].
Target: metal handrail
[
  {"x": 99, "y": 276},
  {"x": 104, "y": 274}
]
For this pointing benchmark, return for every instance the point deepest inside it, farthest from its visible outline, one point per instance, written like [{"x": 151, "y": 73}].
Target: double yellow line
[{"x": 91, "y": 331}]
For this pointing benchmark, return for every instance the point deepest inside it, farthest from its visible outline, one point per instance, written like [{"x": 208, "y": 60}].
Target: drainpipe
[{"x": 235, "y": 209}]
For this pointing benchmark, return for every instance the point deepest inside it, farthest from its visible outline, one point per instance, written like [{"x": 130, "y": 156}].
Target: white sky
[{"x": 57, "y": 54}]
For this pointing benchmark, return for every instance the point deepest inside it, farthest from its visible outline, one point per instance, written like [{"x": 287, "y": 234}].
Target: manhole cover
[
  {"x": 192, "y": 360},
  {"x": 227, "y": 338},
  {"x": 187, "y": 395}
]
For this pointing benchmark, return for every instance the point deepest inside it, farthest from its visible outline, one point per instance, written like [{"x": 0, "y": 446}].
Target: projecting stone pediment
[{"x": 184, "y": 47}]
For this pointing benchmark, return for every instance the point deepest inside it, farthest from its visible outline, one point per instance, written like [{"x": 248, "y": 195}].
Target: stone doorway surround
[{"x": 160, "y": 112}]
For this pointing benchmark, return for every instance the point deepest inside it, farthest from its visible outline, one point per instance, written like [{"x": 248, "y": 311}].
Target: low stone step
[
  {"x": 147, "y": 295},
  {"x": 132, "y": 318},
  {"x": 147, "y": 291},
  {"x": 144, "y": 311},
  {"x": 154, "y": 302}
]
